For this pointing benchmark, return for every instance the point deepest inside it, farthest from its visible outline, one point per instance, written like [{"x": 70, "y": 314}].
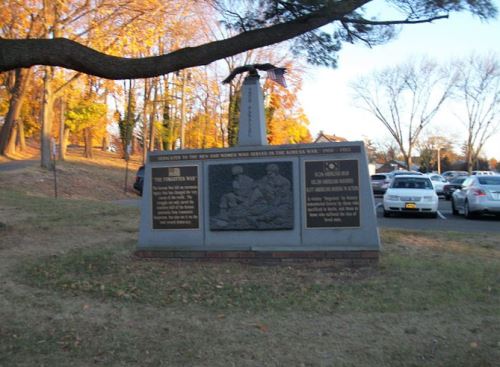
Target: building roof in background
[
  {"x": 396, "y": 165},
  {"x": 324, "y": 138}
]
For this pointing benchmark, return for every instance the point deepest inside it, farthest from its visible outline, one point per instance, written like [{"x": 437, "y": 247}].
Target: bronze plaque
[
  {"x": 175, "y": 197},
  {"x": 251, "y": 196},
  {"x": 332, "y": 194}
]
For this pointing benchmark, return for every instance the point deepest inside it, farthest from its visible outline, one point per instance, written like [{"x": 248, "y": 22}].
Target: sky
[{"x": 327, "y": 98}]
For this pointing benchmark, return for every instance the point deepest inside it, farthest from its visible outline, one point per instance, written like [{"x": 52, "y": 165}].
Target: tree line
[{"x": 63, "y": 56}]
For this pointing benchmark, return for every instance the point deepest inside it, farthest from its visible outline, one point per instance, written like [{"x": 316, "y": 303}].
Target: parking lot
[{"x": 445, "y": 221}]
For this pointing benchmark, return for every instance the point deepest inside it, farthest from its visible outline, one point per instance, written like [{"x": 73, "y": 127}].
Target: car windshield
[
  {"x": 437, "y": 178},
  {"x": 412, "y": 183},
  {"x": 489, "y": 180},
  {"x": 459, "y": 180},
  {"x": 378, "y": 177}
]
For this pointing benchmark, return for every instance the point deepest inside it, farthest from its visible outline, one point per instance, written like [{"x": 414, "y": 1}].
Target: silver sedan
[{"x": 478, "y": 195}]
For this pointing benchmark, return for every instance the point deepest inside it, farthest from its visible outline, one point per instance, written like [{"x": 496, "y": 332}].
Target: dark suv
[{"x": 139, "y": 180}]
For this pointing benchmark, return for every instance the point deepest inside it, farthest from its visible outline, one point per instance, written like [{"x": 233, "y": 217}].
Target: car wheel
[
  {"x": 447, "y": 197},
  {"x": 467, "y": 213},
  {"x": 453, "y": 208},
  {"x": 387, "y": 214},
  {"x": 433, "y": 215}
]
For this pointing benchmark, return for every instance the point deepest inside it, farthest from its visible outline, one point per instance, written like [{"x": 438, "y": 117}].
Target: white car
[
  {"x": 411, "y": 194},
  {"x": 438, "y": 182}
]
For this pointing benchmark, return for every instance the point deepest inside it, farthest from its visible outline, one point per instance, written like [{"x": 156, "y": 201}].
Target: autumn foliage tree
[
  {"x": 286, "y": 121},
  {"x": 87, "y": 117}
]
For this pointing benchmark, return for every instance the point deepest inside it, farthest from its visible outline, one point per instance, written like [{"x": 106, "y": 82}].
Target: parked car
[
  {"x": 482, "y": 173},
  {"x": 479, "y": 195},
  {"x": 438, "y": 182},
  {"x": 401, "y": 172},
  {"x": 411, "y": 194},
  {"x": 453, "y": 185},
  {"x": 380, "y": 183},
  {"x": 450, "y": 175},
  {"x": 139, "y": 180}
]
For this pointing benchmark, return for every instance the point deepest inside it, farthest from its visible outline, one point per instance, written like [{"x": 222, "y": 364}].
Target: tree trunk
[
  {"x": 147, "y": 94},
  {"x": 105, "y": 144},
  {"x": 470, "y": 165},
  {"x": 152, "y": 116},
  {"x": 63, "y": 145},
  {"x": 408, "y": 157},
  {"x": 222, "y": 131},
  {"x": 409, "y": 163},
  {"x": 7, "y": 142},
  {"x": 21, "y": 139},
  {"x": 233, "y": 118},
  {"x": 468, "y": 156},
  {"x": 183, "y": 112},
  {"x": 87, "y": 136},
  {"x": 152, "y": 133},
  {"x": 62, "y": 131},
  {"x": 205, "y": 123},
  {"x": 14, "y": 138},
  {"x": 47, "y": 119}
]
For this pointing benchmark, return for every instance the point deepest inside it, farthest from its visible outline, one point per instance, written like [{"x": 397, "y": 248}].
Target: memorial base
[
  {"x": 337, "y": 258},
  {"x": 314, "y": 200}
]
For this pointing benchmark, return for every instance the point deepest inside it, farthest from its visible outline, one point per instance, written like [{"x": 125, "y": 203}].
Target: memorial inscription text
[
  {"x": 175, "y": 197},
  {"x": 332, "y": 194}
]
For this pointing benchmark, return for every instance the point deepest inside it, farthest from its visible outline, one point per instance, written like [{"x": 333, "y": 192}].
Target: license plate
[{"x": 410, "y": 206}]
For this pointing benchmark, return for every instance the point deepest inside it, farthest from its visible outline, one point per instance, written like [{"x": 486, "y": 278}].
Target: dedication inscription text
[
  {"x": 175, "y": 197},
  {"x": 332, "y": 194}
]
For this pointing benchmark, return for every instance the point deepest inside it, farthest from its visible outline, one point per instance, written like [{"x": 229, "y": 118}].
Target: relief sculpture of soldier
[
  {"x": 277, "y": 192},
  {"x": 265, "y": 203}
]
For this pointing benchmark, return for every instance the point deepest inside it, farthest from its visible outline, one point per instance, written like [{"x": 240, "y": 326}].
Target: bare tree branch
[{"x": 392, "y": 22}]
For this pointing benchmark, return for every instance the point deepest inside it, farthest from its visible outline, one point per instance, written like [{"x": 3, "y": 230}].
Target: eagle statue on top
[{"x": 252, "y": 70}]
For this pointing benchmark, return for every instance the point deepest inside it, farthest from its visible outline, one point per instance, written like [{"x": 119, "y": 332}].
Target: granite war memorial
[{"x": 259, "y": 202}]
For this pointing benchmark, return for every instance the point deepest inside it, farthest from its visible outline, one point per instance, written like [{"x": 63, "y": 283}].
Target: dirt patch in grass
[{"x": 71, "y": 293}]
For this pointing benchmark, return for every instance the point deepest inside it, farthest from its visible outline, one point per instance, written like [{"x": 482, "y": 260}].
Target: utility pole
[{"x": 439, "y": 159}]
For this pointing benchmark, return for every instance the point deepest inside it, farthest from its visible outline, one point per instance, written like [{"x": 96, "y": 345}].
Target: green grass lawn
[{"x": 71, "y": 293}]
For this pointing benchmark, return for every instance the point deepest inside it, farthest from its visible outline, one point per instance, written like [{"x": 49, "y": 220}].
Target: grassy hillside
[{"x": 100, "y": 178}]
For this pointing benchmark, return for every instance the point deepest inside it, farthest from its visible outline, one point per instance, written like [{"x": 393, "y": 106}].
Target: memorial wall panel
[
  {"x": 332, "y": 194},
  {"x": 175, "y": 197}
]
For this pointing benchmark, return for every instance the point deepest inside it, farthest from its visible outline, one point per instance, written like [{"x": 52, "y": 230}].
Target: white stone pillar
[{"x": 252, "y": 129}]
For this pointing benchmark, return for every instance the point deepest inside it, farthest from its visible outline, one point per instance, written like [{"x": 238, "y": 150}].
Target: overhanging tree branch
[{"x": 69, "y": 54}]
